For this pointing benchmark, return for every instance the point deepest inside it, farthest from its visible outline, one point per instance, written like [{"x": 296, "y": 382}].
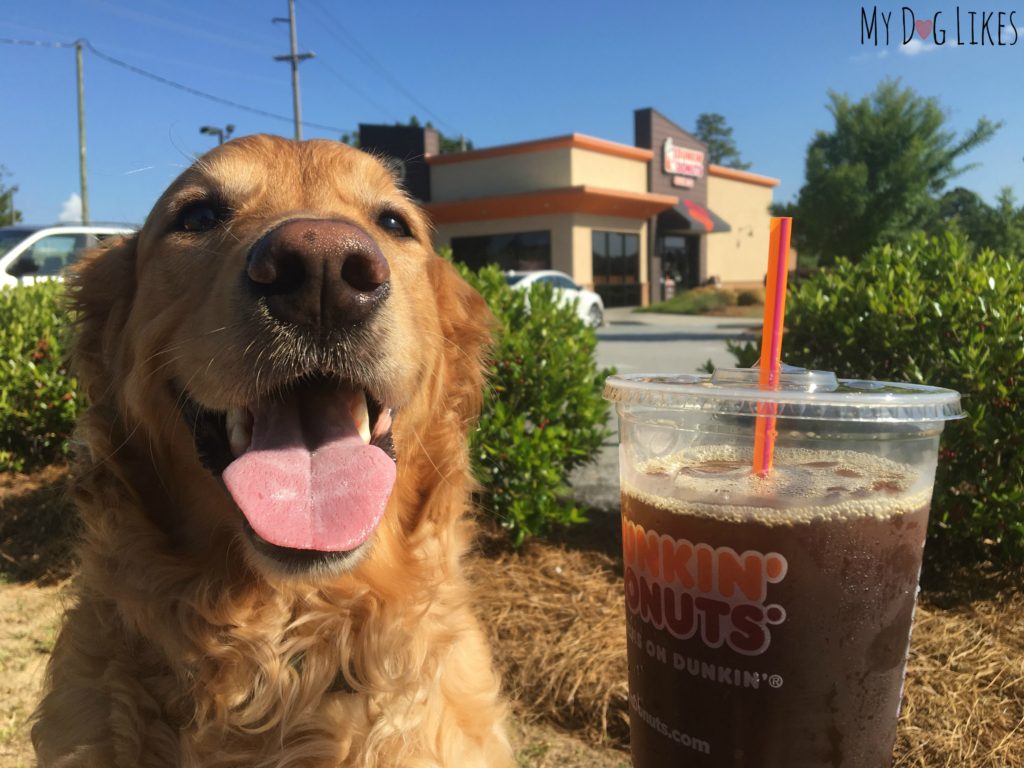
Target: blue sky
[{"x": 495, "y": 72}]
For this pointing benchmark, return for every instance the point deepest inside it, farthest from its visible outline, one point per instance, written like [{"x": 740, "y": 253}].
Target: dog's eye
[
  {"x": 200, "y": 217},
  {"x": 394, "y": 223}
]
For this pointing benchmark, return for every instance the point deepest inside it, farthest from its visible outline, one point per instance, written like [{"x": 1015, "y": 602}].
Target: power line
[
  {"x": 201, "y": 94},
  {"x": 173, "y": 84},
  {"x": 36, "y": 43},
  {"x": 351, "y": 42},
  {"x": 346, "y": 82}
]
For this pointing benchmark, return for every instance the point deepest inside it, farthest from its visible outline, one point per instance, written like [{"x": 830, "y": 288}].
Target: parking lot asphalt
[{"x": 635, "y": 342}]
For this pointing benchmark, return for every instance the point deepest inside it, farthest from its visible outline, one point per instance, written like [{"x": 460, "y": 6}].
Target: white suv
[{"x": 31, "y": 253}]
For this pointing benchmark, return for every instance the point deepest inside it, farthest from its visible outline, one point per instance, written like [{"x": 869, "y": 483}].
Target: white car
[
  {"x": 30, "y": 253},
  {"x": 589, "y": 306}
]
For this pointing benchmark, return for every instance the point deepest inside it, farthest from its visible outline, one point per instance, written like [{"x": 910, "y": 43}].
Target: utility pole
[
  {"x": 81, "y": 132},
  {"x": 294, "y": 57}
]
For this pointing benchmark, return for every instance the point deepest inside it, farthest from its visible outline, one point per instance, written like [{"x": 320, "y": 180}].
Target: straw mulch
[
  {"x": 964, "y": 702},
  {"x": 554, "y": 612},
  {"x": 556, "y": 620},
  {"x": 38, "y": 527}
]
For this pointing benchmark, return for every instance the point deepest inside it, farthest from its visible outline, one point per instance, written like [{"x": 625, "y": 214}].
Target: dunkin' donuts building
[{"x": 628, "y": 221}]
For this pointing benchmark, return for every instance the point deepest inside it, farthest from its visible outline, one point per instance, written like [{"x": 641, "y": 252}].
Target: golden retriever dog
[{"x": 272, "y": 477}]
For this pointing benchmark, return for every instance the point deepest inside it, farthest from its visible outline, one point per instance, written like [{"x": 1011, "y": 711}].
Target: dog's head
[{"x": 282, "y": 336}]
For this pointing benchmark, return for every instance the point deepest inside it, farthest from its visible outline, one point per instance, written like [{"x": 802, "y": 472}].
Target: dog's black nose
[{"x": 319, "y": 273}]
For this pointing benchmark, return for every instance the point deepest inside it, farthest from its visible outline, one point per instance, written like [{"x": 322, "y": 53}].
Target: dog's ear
[
  {"x": 467, "y": 326},
  {"x": 101, "y": 289}
]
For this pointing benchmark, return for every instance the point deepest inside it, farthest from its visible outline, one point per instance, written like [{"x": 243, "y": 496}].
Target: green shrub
[
  {"x": 932, "y": 311},
  {"x": 38, "y": 399},
  {"x": 696, "y": 301},
  {"x": 747, "y": 354},
  {"x": 543, "y": 416},
  {"x": 750, "y": 297}
]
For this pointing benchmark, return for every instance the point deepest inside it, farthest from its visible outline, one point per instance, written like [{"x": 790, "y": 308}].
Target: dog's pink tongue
[{"x": 308, "y": 481}]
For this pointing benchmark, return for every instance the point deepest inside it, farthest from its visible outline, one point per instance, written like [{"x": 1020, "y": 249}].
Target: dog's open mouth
[{"x": 311, "y": 469}]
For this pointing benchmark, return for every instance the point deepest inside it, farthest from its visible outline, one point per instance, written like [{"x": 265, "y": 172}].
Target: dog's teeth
[
  {"x": 383, "y": 424},
  {"x": 239, "y": 429},
  {"x": 361, "y": 416}
]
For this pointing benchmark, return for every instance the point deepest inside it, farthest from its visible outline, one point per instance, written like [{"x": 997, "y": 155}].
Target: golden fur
[{"x": 183, "y": 647}]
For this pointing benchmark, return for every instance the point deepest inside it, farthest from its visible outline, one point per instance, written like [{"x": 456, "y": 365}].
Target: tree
[
  {"x": 448, "y": 145},
  {"x": 967, "y": 208},
  {"x": 713, "y": 131},
  {"x": 878, "y": 174},
  {"x": 1000, "y": 228},
  {"x": 8, "y": 213},
  {"x": 1008, "y": 236}
]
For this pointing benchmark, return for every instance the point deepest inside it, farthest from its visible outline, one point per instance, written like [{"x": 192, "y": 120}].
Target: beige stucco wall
[
  {"x": 740, "y": 255},
  {"x": 502, "y": 175},
  {"x": 571, "y": 245},
  {"x": 602, "y": 170},
  {"x": 533, "y": 171}
]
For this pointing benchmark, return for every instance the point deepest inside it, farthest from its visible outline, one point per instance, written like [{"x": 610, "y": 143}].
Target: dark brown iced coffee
[
  {"x": 769, "y": 614},
  {"x": 769, "y": 619}
]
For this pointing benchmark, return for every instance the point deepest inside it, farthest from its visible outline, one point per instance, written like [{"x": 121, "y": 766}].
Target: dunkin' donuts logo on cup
[{"x": 692, "y": 590}]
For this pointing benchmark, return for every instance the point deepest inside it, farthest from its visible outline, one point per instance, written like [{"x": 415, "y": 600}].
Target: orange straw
[{"x": 771, "y": 341}]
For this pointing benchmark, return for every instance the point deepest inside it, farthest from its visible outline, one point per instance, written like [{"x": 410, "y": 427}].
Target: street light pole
[
  {"x": 222, "y": 134},
  {"x": 81, "y": 133},
  {"x": 294, "y": 57}
]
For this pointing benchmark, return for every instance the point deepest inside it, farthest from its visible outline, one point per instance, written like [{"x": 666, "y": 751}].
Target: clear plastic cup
[{"x": 769, "y": 617}]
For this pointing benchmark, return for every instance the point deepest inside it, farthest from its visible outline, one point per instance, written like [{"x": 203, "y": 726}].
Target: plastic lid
[{"x": 802, "y": 394}]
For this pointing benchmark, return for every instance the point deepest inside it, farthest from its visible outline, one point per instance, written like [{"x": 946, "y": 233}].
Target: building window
[
  {"x": 617, "y": 267},
  {"x": 519, "y": 250}
]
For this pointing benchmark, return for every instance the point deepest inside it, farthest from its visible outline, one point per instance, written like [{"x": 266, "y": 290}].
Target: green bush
[
  {"x": 696, "y": 301},
  {"x": 38, "y": 399},
  {"x": 543, "y": 416},
  {"x": 932, "y": 311},
  {"x": 750, "y": 297},
  {"x": 747, "y": 354}
]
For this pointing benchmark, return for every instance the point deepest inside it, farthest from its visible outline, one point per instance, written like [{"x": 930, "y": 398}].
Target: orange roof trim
[
  {"x": 581, "y": 199},
  {"x": 571, "y": 141},
  {"x": 745, "y": 176}
]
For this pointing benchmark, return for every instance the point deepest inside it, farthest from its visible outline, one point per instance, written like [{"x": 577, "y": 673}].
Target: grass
[
  {"x": 708, "y": 300},
  {"x": 29, "y": 614}
]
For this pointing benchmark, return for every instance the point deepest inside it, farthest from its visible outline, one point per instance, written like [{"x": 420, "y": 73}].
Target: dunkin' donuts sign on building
[
  {"x": 694, "y": 590},
  {"x": 684, "y": 165}
]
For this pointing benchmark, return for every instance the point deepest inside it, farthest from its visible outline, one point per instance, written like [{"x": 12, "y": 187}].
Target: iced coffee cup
[{"x": 769, "y": 616}]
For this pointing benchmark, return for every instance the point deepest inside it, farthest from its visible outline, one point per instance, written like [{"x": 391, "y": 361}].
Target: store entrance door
[{"x": 680, "y": 260}]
